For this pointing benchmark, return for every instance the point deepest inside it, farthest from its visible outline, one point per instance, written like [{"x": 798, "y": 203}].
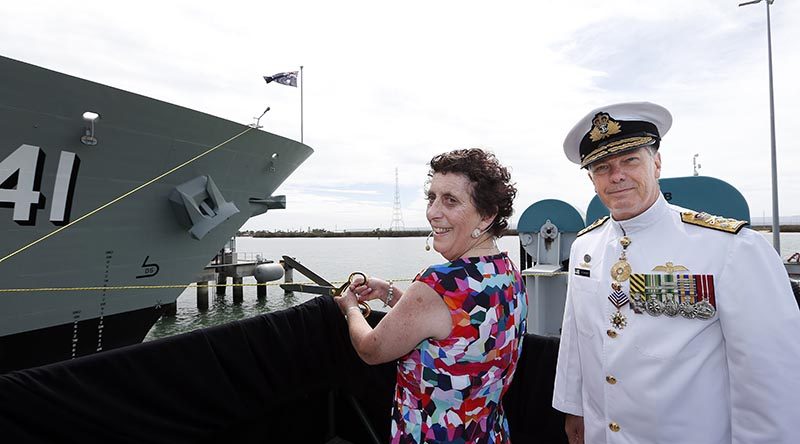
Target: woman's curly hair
[{"x": 492, "y": 190}]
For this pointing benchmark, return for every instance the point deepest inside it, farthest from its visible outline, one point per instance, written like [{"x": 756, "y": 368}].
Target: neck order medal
[{"x": 620, "y": 272}]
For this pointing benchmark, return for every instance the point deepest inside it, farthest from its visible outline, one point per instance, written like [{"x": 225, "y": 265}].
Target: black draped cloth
[{"x": 289, "y": 376}]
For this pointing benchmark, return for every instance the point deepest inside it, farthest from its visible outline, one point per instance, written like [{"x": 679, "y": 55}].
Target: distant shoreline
[
  {"x": 784, "y": 228},
  {"x": 423, "y": 233}
]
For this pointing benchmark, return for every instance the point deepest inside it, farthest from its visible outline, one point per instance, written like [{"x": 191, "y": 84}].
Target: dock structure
[
  {"x": 221, "y": 273},
  {"x": 233, "y": 265}
]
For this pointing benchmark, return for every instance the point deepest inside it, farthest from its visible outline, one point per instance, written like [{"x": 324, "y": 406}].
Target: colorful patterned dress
[{"x": 450, "y": 390}]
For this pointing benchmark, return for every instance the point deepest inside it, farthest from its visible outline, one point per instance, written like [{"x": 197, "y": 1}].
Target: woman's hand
[
  {"x": 346, "y": 301},
  {"x": 374, "y": 288}
]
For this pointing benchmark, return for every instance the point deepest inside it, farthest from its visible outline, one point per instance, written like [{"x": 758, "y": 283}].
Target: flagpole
[{"x": 301, "y": 103}]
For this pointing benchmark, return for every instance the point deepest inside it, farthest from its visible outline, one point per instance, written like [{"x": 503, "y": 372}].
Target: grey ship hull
[{"x": 157, "y": 236}]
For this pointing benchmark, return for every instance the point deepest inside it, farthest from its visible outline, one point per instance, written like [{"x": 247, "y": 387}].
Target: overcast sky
[{"x": 390, "y": 84}]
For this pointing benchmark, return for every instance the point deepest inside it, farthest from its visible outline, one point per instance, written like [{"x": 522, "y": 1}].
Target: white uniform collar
[{"x": 658, "y": 211}]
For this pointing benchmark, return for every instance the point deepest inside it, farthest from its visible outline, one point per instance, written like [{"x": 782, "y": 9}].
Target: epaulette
[
  {"x": 714, "y": 222},
  {"x": 594, "y": 225}
]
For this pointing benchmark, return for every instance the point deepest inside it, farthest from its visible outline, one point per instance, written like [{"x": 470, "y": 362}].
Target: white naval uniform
[{"x": 734, "y": 378}]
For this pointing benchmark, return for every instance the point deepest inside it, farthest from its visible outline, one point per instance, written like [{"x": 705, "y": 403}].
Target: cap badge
[{"x": 603, "y": 126}]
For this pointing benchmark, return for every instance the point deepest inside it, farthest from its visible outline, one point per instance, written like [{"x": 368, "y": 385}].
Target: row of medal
[{"x": 621, "y": 272}]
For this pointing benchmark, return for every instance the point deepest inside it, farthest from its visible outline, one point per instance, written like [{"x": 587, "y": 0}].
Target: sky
[{"x": 388, "y": 85}]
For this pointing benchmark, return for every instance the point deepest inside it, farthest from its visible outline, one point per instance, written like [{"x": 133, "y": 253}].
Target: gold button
[
  {"x": 611, "y": 333},
  {"x": 614, "y": 427},
  {"x": 611, "y": 380}
]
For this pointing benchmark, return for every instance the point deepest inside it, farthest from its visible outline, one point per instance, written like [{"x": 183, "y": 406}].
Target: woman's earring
[
  {"x": 428, "y": 247},
  {"x": 476, "y": 233}
]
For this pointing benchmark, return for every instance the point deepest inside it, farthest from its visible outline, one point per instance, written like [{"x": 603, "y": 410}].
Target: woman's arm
[
  {"x": 418, "y": 315},
  {"x": 379, "y": 289}
]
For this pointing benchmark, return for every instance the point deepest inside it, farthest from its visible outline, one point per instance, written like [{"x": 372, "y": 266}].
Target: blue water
[{"x": 399, "y": 259}]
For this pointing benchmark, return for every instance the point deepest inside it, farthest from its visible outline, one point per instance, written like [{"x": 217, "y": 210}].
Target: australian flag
[{"x": 284, "y": 78}]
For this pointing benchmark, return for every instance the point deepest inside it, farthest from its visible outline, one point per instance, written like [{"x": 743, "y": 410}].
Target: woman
[{"x": 458, "y": 328}]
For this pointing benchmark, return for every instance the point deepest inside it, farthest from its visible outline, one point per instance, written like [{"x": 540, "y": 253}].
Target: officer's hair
[{"x": 651, "y": 150}]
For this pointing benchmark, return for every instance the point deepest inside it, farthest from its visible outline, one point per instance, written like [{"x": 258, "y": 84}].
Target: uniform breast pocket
[
  {"x": 666, "y": 338},
  {"x": 587, "y": 304}
]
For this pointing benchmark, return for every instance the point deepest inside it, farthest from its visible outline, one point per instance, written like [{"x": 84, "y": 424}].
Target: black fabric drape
[
  {"x": 528, "y": 401},
  {"x": 263, "y": 379}
]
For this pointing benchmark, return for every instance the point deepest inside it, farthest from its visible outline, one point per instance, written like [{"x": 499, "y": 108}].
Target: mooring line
[{"x": 156, "y": 287}]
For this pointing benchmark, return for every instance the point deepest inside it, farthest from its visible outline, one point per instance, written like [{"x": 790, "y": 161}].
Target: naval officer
[{"x": 679, "y": 326}]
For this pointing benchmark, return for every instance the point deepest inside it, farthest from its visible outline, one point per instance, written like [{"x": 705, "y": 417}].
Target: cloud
[{"x": 390, "y": 85}]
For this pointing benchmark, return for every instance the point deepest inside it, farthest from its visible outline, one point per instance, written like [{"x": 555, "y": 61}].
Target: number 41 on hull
[{"x": 21, "y": 179}]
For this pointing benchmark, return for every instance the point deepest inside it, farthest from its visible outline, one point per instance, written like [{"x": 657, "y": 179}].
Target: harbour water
[{"x": 399, "y": 259}]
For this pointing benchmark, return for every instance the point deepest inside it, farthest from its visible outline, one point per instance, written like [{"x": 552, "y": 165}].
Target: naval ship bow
[{"x": 110, "y": 203}]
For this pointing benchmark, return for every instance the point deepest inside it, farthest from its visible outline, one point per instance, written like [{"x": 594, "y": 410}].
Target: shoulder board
[
  {"x": 714, "y": 222},
  {"x": 594, "y": 225}
]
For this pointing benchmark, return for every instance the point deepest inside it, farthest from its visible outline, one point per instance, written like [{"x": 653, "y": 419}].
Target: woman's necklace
[{"x": 476, "y": 248}]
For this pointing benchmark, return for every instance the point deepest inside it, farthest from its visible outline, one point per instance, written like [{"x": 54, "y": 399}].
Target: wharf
[{"x": 229, "y": 263}]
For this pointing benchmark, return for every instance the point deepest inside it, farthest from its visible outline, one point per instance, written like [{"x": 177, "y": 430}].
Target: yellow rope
[
  {"x": 155, "y": 287},
  {"x": 104, "y": 206}
]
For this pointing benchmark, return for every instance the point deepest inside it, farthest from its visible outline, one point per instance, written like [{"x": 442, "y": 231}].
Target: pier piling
[
  {"x": 238, "y": 290},
  {"x": 222, "y": 280},
  {"x": 261, "y": 292},
  {"x": 288, "y": 277},
  {"x": 202, "y": 296}
]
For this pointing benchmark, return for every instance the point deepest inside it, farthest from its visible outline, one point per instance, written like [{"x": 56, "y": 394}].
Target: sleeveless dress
[{"x": 450, "y": 390}]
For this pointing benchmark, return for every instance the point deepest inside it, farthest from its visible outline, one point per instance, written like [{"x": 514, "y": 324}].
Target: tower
[{"x": 397, "y": 214}]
